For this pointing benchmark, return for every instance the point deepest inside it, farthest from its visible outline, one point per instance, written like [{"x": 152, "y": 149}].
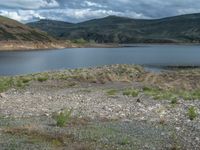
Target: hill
[
  {"x": 13, "y": 30},
  {"x": 114, "y": 29},
  {"x": 53, "y": 27},
  {"x": 15, "y": 35}
]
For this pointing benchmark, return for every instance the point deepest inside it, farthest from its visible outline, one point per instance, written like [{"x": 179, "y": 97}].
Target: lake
[{"x": 152, "y": 56}]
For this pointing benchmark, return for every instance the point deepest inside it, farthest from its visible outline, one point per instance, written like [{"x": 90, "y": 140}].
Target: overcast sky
[{"x": 80, "y": 10}]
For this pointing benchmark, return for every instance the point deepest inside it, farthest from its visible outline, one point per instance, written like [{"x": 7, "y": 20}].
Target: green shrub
[
  {"x": 80, "y": 41},
  {"x": 26, "y": 79},
  {"x": 135, "y": 93},
  {"x": 127, "y": 92},
  {"x": 42, "y": 78},
  {"x": 63, "y": 118},
  {"x": 174, "y": 100},
  {"x": 192, "y": 113},
  {"x": 5, "y": 84},
  {"x": 131, "y": 92},
  {"x": 112, "y": 92}
]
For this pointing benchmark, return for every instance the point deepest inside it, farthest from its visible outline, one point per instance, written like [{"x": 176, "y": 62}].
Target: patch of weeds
[
  {"x": 159, "y": 94},
  {"x": 162, "y": 121},
  {"x": 174, "y": 100},
  {"x": 131, "y": 92},
  {"x": 11, "y": 82},
  {"x": 25, "y": 79},
  {"x": 80, "y": 41},
  {"x": 42, "y": 78},
  {"x": 56, "y": 142},
  {"x": 5, "y": 84},
  {"x": 192, "y": 113},
  {"x": 196, "y": 94},
  {"x": 86, "y": 90},
  {"x": 63, "y": 118},
  {"x": 63, "y": 77},
  {"x": 127, "y": 92},
  {"x": 124, "y": 141},
  {"x": 20, "y": 84},
  {"x": 112, "y": 92},
  {"x": 56, "y": 139},
  {"x": 186, "y": 95},
  {"x": 71, "y": 84},
  {"x": 175, "y": 145}
]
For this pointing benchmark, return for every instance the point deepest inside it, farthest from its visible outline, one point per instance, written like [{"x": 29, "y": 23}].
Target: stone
[{"x": 3, "y": 95}]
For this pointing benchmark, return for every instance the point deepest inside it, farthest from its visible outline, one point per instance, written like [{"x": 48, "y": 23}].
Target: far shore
[{"x": 30, "y": 46}]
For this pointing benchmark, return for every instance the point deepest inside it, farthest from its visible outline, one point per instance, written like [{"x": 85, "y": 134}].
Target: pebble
[{"x": 3, "y": 95}]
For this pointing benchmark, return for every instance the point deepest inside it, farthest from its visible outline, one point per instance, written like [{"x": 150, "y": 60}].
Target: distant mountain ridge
[{"x": 114, "y": 29}]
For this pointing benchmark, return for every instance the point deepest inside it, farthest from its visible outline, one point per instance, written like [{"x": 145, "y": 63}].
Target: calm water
[{"x": 15, "y": 63}]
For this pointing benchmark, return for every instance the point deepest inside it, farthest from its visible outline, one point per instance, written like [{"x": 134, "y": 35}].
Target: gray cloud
[{"x": 80, "y": 10}]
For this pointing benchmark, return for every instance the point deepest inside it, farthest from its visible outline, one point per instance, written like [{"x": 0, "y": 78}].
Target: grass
[
  {"x": 159, "y": 94},
  {"x": 192, "y": 113},
  {"x": 124, "y": 141},
  {"x": 80, "y": 41},
  {"x": 131, "y": 92},
  {"x": 42, "y": 78},
  {"x": 97, "y": 75},
  {"x": 5, "y": 84},
  {"x": 112, "y": 92},
  {"x": 173, "y": 95},
  {"x": 174, "y": 100},
  {"x": 10, "y": 82},
  {"x": 26, "y": 79},
  {"x": 36, "y": 136},
  {"x": 63, "y": 118},
  {"x": 71, "y": 84}
]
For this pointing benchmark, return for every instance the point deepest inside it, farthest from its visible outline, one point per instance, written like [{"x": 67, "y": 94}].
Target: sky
[{"x": 81, "y": 10}]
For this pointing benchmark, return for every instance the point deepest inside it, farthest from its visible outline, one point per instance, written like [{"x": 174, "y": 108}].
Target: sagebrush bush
[
  {"x": 63, "y": 118},
  {"x": 192, "y": 113}
]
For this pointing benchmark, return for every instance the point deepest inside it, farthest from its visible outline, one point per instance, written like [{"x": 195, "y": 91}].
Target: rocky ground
[{"x": 112, "y": 108}]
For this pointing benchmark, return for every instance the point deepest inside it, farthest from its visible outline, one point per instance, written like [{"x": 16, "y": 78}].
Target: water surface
[{"x": 154, "y": 56}]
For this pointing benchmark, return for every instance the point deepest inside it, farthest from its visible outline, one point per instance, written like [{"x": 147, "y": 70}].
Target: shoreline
[{"x": 37, "y": 46}]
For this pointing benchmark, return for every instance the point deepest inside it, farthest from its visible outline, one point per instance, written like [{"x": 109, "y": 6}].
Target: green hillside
[{"x": 113, "y": 29}]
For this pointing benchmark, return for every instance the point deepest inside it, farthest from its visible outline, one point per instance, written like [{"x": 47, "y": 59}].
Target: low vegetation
[
  {"x": 63, "y": 118},
  {"x": 123, "y": 73},
  {"x": 16, "y": 82},
  {"x": 79, "y": 41},
  {"x": 173, "y": 95},
  {"x": 42, "y": 78},
  {"x": 192, "y": 113},
  {"x": 131, "y": 92},
  {"x": 112, "y": 92}
]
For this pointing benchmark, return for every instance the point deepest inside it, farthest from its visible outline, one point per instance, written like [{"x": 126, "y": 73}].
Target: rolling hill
[
  {"x": 114, "y": 29},
  {"x": 12, "y": 30},
  {"x": 17, "y": 36}
]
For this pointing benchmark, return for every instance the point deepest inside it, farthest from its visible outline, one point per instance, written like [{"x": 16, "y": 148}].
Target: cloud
[
  {"x": 21, "y": 15},
  {"x": 82, "y": 14},
  {"x": 92, "y": 4},
  {"x": 29, "y": 4},
  {"x": 80, "y": 10}
]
